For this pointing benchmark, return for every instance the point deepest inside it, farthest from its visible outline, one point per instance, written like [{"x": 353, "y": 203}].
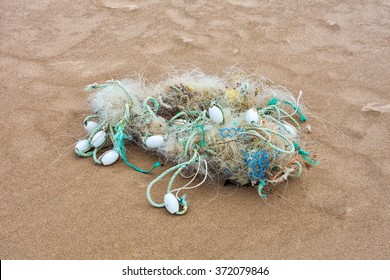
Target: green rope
[
  {"x": 112, "y": 137},
  {"x": 183, "y": 202},
  {"x": 84, "y": 154},
  {"x": 177, "y": 172},
  {"x": 178, "y": 166},
  {"x": 178, "y": 115},
  {"x": 299, "y": 165},
  {"x": 108, "y": 83},
  {"x": 305, "y": 155},
  {"x": 260, "y": 189},
  {"x": 189, "y": 143},
  {"x": 268, "y": 143},
  {"x": 89, "y": 118},
  {"x": 127, "y": 112},
  {"x": 95, "y": 86},
  {"x": 146, "y": 107},
  {"x": 280, "y": 111},
  {"x": 95, "y": 158},
  {"x": 302, "y": 117},
  {"x": 100, "y": 127},
  {"x": 275, "y": 101},
  {"x": 119, "y": 138},
  {"x": 176, "y": 89},
  {"x": 203, "y": 142},
  {"x": 119, "y": 84}
]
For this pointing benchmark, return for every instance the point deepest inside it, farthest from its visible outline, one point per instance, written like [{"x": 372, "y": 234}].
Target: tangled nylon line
[{"x": 239, "y": 128}]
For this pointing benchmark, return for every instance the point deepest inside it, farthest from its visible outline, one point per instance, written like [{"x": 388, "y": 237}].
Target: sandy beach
[{"x": 54, "y": 205}]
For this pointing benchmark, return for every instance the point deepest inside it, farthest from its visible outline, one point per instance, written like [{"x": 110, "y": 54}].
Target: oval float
[
  {"x": 98, "y": 139},
  {"x": 251, "y": 116},
  {"x": 216, "y": 114},
  {"x": 109, "y": 157},
  {"x": 290, "y": 129},
  {"x": 171, "y": 203},
  {"x": 180, "y": 122},
  {"x": 82, "y": 146},
  {"x": 154, "y": 141},
  {"x": 90, "y": 126}
]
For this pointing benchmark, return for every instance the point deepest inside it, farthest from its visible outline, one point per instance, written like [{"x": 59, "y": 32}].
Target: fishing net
[{"x": 240, "y": 128}]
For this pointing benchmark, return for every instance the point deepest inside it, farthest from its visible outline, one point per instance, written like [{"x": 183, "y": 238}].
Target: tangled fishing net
[{"x": 240, "y": 128}]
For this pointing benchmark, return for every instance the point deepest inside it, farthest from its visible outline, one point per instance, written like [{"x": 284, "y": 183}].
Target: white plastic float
[
  {"x": 171, "y": 203},
  {"x": 109, "y": 157},
  {"x": 154, "y": 141}
]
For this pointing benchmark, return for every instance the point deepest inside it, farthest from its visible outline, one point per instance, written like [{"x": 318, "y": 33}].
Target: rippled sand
[{"x": 55, "y": 205}]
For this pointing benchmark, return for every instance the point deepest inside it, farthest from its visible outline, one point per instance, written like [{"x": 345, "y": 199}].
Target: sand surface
[{"x": 56, "y": 206}]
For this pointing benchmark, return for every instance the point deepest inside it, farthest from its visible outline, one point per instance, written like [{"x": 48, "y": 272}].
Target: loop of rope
[
  {"x": 180, "y": 167},
  {"x": 155, "y": 104},
  {"x": 178, "y": 115},
  {"x": 275, "y": 101},
  {"x": 119, "y": 138},
  {"x": 84, "y": 154},
  {"x": 89, "y": 118}
]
